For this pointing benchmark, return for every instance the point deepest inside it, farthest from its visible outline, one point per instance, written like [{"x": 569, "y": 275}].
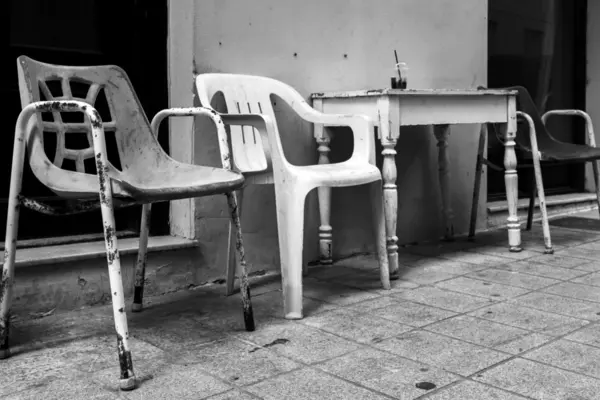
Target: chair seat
[
  {"x": 172, "y": 182},
  {"x": 346, "y": 173},
  {"x": 180, "y": 181},
  {"x": 561, "y": 151}
]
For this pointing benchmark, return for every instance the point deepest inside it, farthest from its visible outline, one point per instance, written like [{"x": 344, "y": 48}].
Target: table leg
[
  {"x": 390, "y": 197},
  {"x": 442, "y": 133},
  {"x": 324, "y": 193},
  {"x": 511, "y": 181}
]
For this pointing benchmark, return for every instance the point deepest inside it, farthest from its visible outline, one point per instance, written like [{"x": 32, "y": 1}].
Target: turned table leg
[
  {"x": 511, "y": 180},
  {"x": 390, "y": 198},
  {"x": 442, "y": 132},
  {"x": 324, "y": 193}
]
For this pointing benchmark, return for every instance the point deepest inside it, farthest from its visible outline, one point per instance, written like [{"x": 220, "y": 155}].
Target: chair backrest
[
  {"x": 137, "y": 148},
  {"x": 246, "y": 94},
  {"x": 526, "y": 104}
]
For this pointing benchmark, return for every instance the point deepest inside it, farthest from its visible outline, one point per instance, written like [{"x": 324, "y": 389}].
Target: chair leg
[
  {"x": 10, "y": 243},
  {"x": 596, "y": 169},
  {"x": 231, "y": 261},
  {"x": 8, "y": 268},
  {"x": 380, "y": 235},
  {"x": 239, "y": 245},
  {"x": 127, "y": 376},
  {"x": 531, "y": 209},
  {"x": 477, "y": 185},
  {"x": 140, "y": 266},
  {"x": 290, "y": 227},
  {"x": 542, "y": 199}
]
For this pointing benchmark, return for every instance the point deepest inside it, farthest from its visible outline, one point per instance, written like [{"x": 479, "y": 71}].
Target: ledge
[
  {"x": 28, "y": 257},
  {"x": 556, "y": 200}
]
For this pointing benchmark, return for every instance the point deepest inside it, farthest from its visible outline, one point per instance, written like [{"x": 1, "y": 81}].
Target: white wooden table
[{"x": 392, "y": 108}]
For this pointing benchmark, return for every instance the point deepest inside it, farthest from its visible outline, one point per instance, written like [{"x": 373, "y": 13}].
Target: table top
[{"x": 413, "y": 92}]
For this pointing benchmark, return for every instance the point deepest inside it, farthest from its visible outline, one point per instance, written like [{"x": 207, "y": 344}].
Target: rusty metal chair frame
[{"x": 147, "y": 175}]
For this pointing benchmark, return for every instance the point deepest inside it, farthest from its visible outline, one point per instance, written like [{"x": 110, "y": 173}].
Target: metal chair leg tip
[{"x": 128, "y": 383}]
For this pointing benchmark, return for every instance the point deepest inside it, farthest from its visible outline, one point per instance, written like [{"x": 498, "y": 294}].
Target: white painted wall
[{"x": 303, "y": 43}]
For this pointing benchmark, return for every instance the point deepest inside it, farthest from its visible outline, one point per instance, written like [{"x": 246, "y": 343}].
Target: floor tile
[
  {"x": 481, "y": 288},
  {"x": 539, "y": 381},
  {"x": 233, "y": 395},
  {"x": 445, "y": 299},
  {"x": 593, "y": 266},
  {"x": 234, "y": 361},
  {"x": 387, "y": 373},
  {"x": 28, "y": 370},
  {"x": 300, "y": 342},
  {"x": 576, "y": 357},
  {"x": 413, "y": 314},
  {"x": 579, "y": 252},
  {"x": 525, "y": 343},
  {"x": 335, "y": 293},
  {"x": 502, "y": 251},
  {"x": 467, "y": 390},
  {"x": 545, "y": 270},
  {"x": 445, "y": 265},
  {"x": 308, "y": 384},
  {"x": 587, "y": 335},
  {"x": 64, "y": 389},
  {"x": 476, "y": 258},
  {"x": 359, "y": 327},
  {"x": 443, "y": 352},
  {"x": 513, "y": 278},
  {"x": 529, "y": 319},
  {"x": 592, "y": 279},
  {"x": 478, "y": 331},
  {"x": 560, "y": 305},
  {"x": 558, "y": 260},
  {"x": 425, "y": 276},
  {"x": 167, "y": 382},
  {"x": 373, "y": 304},
  {"x": 576, "y": 291}
]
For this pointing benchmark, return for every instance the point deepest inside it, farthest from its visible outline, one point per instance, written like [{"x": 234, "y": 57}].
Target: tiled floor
[{"x": 466, "y": 321}]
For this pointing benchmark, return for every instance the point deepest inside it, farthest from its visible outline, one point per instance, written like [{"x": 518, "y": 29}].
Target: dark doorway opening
[
  {"x": 129, "y": 33},
  {"x": 541, "y": 45}
]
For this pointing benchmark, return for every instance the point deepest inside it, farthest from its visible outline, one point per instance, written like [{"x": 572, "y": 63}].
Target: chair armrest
[
  {"x": 194, "y": 112},
  {"x": 579, "y": 113},
  {"x": 532, "y": 134},
  {"x": 363, "y": 128}
]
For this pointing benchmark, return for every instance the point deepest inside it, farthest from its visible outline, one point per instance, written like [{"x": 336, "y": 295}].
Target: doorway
[
  {"x": 541, "y": 45},
  {"x": 129, "y": 33}
]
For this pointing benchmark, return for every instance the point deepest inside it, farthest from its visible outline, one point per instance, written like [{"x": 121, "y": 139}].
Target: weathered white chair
[
  {"x": 147, "y": 174},
  {"x": 258, "y": 154}
]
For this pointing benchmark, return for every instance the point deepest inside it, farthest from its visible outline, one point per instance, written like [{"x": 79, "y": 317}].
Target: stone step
[{"x": 557, "y": 205}]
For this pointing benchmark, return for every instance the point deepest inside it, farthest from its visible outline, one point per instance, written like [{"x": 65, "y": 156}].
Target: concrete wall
[{"x": 320, "y": 46}]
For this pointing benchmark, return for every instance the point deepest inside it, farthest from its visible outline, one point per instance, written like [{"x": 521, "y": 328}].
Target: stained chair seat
[
  {"x": 561, "y": 151},
  {"x": 178, "y": 181}
]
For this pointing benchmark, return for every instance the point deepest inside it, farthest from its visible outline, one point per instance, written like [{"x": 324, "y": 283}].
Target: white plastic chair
[
  {"x": 258, "y": 154},
  {"x": 147, "y": 174}
]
